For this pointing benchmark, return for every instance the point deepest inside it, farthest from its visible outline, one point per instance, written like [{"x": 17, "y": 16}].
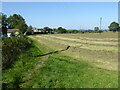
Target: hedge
[{"x": 12, "y": 47}]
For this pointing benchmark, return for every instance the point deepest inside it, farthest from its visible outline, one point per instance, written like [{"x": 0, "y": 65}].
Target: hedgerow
[{"x": 12, "y": 47}]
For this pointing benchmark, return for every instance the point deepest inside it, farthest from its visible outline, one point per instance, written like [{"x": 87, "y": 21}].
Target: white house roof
[{"x": 12, "y": 30}]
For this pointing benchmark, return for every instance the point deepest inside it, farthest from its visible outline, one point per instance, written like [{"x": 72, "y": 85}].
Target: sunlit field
[
  {"x": 96, "y": 47},
  {"x": 91, "y": 61}
]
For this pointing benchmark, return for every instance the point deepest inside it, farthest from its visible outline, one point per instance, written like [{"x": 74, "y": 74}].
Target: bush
[
  {"x": 12, "y": 47},
  {"x": 98, "y": 31}
]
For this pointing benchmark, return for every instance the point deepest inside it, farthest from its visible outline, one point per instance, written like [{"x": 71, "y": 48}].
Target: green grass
[
  {"x": 13, "y": 77},
  {"x": 60, "y": 72},
  {"x": 57, "y": 71}
]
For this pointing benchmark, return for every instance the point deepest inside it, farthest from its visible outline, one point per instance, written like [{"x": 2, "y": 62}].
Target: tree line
[{"x": 16, "y": 21}]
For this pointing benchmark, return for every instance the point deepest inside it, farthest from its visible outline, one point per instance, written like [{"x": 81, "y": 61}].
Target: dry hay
[{"x": 98, "y": 54}]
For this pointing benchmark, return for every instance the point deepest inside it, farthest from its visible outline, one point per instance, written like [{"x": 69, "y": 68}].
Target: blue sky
[{"x": 70, "y": 15}]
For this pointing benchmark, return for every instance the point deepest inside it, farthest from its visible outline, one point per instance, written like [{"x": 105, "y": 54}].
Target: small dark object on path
[{"x": 67, "y": 47}]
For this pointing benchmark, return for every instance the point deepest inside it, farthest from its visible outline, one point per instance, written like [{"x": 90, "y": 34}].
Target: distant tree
[
  {"x": 75, "y": 31},
  {"x": 54, "y": 30},
  {"x": 41, "y": 31},
  {"x": 114, "y": 27},
  {"x": 61, "y": 30},
  {"x": 3, "y": 22},
  {"x": 16, "y": 21},
  {"x": 100, "y": 31},
  {"x": 69, "y": 31},
  {"x": 30, "y": 30},
  {"x": 89, "y": 31},
  {"x": 47, "y": 30},
  {"x": 96, "y": 28},
  {"x": 82, "y": 31}
]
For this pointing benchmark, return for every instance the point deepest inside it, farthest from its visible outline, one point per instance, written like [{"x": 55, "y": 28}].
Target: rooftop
[{"x": 12, "y": 30}]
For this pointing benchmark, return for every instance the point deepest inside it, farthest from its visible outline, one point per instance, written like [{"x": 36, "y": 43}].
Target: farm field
[
  {"x": 100, "y": 49},
  {"x": 67, "y": 61}
]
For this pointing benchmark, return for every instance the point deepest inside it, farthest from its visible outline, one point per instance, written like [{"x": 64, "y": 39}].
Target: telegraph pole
[
  {"x": 119, "y": 13},
  {"x": 100, "y": 22}
]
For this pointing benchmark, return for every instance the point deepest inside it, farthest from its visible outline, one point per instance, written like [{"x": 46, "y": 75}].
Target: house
[
  {"x": 35, "y": 29},
  {"x": 12, "y": 32}
]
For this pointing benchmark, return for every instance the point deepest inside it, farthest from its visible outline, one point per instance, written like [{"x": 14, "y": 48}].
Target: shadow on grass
[{"x": 53, "y": 52}]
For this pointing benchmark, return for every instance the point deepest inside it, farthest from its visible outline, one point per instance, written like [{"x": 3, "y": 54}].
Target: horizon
[{"x": 69, "y": 15}]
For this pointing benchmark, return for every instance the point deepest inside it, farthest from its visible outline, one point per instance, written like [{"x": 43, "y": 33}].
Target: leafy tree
[
  {"x": 47, "y": 30},
  {"x": 54, "y": 30},
  {"x": 96, "y": 28},
  {"x": 75, "y": 31},
  {"x": 69, "y": 31},
  {"x": 17, "y": 22},
  {"x": 100, "y": 31},
  {"x": 82, "y": 31},
  {"x": 114, "y": 27},
  {"x": 22, "y": 27},
  {"x": 41, "y": 31},
  {"x": 30, "y": 30},
  {"x": 61, "y": 30},
  {"x": 3, "y": 22}
]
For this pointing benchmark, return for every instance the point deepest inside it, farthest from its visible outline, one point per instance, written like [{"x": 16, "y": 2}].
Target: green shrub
[{"x": 12, "y": 47}]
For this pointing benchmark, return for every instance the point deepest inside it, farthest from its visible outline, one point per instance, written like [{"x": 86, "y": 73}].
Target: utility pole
[
  {"x": 100, "y": 22},
  {"x": 119, "y": 13}
]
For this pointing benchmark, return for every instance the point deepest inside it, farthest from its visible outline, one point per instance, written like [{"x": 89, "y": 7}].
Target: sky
[
  {"x": 70, "y": 15},
  {"x": 60, "y": 0}
]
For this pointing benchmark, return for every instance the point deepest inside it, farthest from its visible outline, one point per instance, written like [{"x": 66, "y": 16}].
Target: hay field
[{"x": 100, "y": 49}]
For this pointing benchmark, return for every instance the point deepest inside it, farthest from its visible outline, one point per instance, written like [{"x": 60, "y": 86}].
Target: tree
[
  {"x": 96, "y": 28},
  {"x": 17, "y": 22},
  {"x": 3, "y": 22},
  {"x": 114, "y": 27},
  {"x": 47, "y": 30},
  {"x": 69, "y": 31},
  {"x": 22, "y": 27},
  {"x": 75, "y": 31},
  {"x": 30, "y": 30},
  {"x": 54, "y": 30},
  {"x": 61, "y": 30}
]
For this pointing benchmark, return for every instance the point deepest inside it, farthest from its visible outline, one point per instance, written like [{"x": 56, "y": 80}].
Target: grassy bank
[
  {"x": 12, "y": 77},
  {"x": 43, "y": 67}
]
